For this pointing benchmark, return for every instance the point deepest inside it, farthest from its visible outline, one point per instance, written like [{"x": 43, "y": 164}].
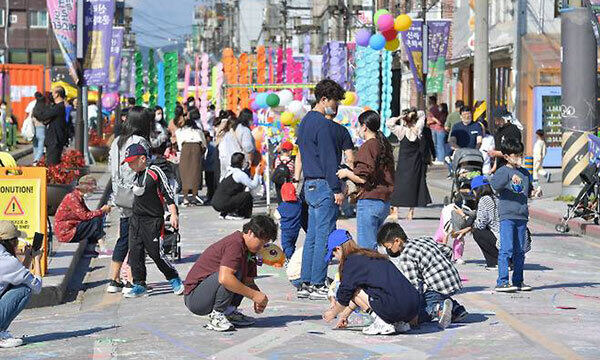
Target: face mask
[
  {"x": 391, "y": 253},
  {"x": 158, "y": 117},
  {"x": 139, "y": 190},
  {"x": 329, "y": 111}
]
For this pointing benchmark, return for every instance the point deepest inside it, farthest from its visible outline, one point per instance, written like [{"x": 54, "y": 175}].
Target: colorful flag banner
[
  {"x": 413, "y": 45},
  {"x": 97, "y": 36},
  {"x": 114, "y": 69},
  {"x": 63, "y": 16},
  {"x": 438, "y": 34}
]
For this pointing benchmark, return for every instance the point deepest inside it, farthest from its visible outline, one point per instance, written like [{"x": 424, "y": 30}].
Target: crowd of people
[{"x": 398, "y": 281}]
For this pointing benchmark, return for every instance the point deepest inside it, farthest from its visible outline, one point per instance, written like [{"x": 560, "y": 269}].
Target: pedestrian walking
[
  {"x": 435, "y": 121},
  {"x": 40, "y": 129},
  {"x": 504, "y": 130},
  {"x": 192, "y": 145},
  {"x": 410, "y": 184},
  {"x": 53, "y": 116},
  {"x": 539, "y": 153},
  {"x": 210, "y": 164},
  {"x": 468, "y": 134},
  {"x": 228, "y": 144},
  {"x": 373, "y": 172}
]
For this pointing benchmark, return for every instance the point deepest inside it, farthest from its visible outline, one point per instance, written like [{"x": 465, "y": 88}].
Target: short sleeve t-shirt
[
  {"x": 466, "y": 135},
  {"x": 343, "y": 139},
  {"x": 231, "y": 251}
]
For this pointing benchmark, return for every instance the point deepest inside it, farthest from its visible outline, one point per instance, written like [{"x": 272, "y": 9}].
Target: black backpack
[{"x": 282, "y": 173}]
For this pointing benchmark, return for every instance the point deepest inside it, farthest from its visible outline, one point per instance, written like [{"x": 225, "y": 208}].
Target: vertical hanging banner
[
  {"x": 63, "y": 16},
  {"x": 114, "y": 69},
  {"x": 413, "y": 45},
  {"x": 97, "y": 35},
  {"x": 439, "y": 31},
  {"x": 186, "y": 81},
  {"x": 197, "y": 80}
]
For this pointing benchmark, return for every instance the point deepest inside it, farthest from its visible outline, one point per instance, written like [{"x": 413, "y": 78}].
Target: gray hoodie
[
  {"x": 12, "y": 272},
  {"x": 513, "y": 198}
]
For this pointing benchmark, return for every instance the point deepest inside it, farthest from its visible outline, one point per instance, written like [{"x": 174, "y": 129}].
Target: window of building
[
  {"x": 17, "y": 56},
  {"x": 2, "y": 16},
  {"x": 38, "y": 19},
  {"x": 39, "y": 57},
  {"x": 57, "y": 58}
]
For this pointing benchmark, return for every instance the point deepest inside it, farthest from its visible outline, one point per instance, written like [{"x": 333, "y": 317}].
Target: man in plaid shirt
[{"x": 428, "y": 266}]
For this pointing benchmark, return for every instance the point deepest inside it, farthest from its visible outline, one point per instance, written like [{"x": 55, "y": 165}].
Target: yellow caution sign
[{"x": 23, "y": 201}]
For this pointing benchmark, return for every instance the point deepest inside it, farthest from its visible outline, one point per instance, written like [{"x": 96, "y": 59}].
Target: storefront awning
[{"x": 499, "y": 53}]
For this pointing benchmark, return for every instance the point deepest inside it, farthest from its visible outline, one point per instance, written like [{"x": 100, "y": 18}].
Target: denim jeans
[
  {"x": 370, "y": 215},
  {"x": 293, "y": 217},
  {"x": 122, "y": 245},
  {"x": 38, "y": 142},
  {"x": 12, "y": 302},
  {"x": 439, "y": 140},
  {"x": 513, "y": 234},
  {"x": 322, "y": 214},
  {"x": 430, "y": 303}
]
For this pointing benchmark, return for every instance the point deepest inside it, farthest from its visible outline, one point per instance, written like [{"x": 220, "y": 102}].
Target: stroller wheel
[
  {"x": 597, "y": 220},
  {"x": 562, "y": 228}
]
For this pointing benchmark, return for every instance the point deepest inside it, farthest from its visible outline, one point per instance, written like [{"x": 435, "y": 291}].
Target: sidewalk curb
[
  {"x": 52, "y": 295},
  {"x": 577, "y": 226},
  {"x": 18, "y": 154}
]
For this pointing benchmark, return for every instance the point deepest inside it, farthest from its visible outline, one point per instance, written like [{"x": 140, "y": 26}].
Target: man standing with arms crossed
[{"x": 319, "y": 159}]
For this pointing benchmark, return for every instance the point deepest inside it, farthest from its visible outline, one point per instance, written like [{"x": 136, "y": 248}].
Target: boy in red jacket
[{"x": 74, "y": 222}]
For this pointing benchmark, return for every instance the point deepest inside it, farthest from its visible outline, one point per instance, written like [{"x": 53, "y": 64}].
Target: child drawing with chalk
[{"x": 370, "y": 281}]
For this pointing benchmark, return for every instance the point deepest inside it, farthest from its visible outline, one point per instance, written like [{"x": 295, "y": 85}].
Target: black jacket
[{"x": 55, "y": 119}]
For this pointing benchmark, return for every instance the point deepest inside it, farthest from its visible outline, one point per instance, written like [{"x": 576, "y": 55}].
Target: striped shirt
[
  {"x": 427, "y": 265},
  {"x": 487, "y": 215}
]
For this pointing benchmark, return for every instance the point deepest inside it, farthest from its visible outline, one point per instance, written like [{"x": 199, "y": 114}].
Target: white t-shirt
[{"x": 487, "y": 144}]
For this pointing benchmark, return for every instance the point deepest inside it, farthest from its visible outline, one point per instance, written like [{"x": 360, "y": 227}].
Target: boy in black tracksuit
[{"x": 146, "y": 225}]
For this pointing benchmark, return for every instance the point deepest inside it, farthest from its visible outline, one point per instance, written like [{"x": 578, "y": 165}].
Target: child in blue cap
[{"x": 370, "y": 281}]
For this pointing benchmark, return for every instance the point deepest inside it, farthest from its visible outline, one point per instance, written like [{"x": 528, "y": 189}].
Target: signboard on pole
[
  {"x": 63, "y": 17},
  {"x": 23, "y": 202},
  {"x": 98, "y": 21}
]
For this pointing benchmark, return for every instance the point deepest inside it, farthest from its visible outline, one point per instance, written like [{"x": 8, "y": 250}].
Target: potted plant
[
  {"x": 98, "y": 147},
  {"x": 61, "y": 177}
]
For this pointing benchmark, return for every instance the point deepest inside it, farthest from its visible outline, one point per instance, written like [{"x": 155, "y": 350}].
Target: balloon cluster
[
  {"x": 387, "y": 37},
  {"x": 204, "y": 94},
  {"x": 306, "y": 67},
  {"x": 261, "y": 65},
  {"x": 245, "y": 75},
  {"x": 217, "y": 83},
  {"x": 386, "y": 88},
  {"x": 270, "y": 99},
  {"x": 293, "y": 72},
  {"x": 279, "y": 65},
  {"x": 350, "y": 99},
  {"x": 230, "y": 68},
  {"x": 367, "y": 77},
  {"x": 334, "y": 62}
]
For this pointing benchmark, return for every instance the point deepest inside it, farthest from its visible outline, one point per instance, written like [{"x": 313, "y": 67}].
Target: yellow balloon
[
  {"x": 392, "y": 45},
  {"x": 402, "y": 22},
  {"x": 287, "y": 118},
  {"x": 349, "y": 98}
]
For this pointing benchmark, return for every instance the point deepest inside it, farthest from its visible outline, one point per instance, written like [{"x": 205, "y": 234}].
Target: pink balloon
[
  {"x": 110, "y": 101},
  {"x": 385, "y": 22}
]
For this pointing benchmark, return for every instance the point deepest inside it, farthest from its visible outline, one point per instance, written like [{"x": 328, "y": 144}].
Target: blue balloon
[{"x": 261, "y": 100}]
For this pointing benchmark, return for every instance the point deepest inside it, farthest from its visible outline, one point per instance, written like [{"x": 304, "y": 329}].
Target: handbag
[
  {"x": 123, "y": 196},
  {"x": 28, "y": 129}
]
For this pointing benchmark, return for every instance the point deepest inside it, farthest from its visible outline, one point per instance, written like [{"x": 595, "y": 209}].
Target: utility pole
[
  {"x": 79, "y": 125},
  {"x": 425, "y": 42},
  {"x": 285, "y": 19},
  {"x": 481, "y": 72},
  {"x": 520, "y": 22},
  {"x": 579, "y": 94}
]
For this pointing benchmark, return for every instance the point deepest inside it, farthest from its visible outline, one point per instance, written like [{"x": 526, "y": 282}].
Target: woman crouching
[{"x": 370, "y": 281}]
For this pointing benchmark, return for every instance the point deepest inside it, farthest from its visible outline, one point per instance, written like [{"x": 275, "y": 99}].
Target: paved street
[{"x": 559, "y": 319}]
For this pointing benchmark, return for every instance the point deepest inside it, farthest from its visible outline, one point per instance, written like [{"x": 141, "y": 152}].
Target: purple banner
[
  {"x": 98, "y": 21},
  {"x": 63, "y": 16},
  {"x": 439, "y": 33},
  {"x": 413, "y": 45},
  {"x": 114, "y": 70}
]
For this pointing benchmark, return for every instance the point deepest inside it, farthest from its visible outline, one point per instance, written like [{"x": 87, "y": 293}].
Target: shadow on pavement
[
  {"x": 90, "y": 285},
  {"x": 188, "y": 259},
  {"x": 468, "y": 289},
  {"x": 536, "y": 267},
  {"x": 66, "y": 334},
  {"x": 282, "y": 320},
  {"x": 566, "y": 285},
  {"x": 555, "y": 234}
]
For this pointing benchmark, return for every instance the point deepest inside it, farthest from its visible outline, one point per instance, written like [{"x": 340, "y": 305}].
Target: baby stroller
[
  {"x": 466, "y": 164},
  {"x": 586, "y": 204},
  {"x": 171, "y": 242}
]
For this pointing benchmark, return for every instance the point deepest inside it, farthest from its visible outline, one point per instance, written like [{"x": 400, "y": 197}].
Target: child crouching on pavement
[
  {"x": 146, "y": 225},
  {"x": 428, "y": 266},
  {"x": 370, "y": 281},
  {"x": 224, "y": 274}
]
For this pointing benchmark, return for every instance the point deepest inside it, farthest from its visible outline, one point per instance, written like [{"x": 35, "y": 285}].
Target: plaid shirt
[{"x": 427, "y": 265}]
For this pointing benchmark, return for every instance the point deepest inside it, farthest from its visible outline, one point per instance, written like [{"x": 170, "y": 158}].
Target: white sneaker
[
  {"x": 438, "y": 163},
  {"x": 379, "y": 327},
  {"x": 459, "y": 262},
  {"x": 219, "y": 322},
  {"x": 7, "y": 340},
  {"x": 233, "y": 217},
  {"x": 445, "y": 314},
  {"x": 402, "y": 327}
]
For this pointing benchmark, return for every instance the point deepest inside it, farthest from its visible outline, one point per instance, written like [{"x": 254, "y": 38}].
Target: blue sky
[{"x": 157, "y": 21}]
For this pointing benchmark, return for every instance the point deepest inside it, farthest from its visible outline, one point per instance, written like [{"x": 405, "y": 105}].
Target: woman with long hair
[
  {"x": 159, "y": 134},
  {"x": 228, "y": 144},
  {"x": 192, "y": 144},
  {"x": 17, "y": 283},
  {"x": 244, "y": 136},
  {"x": 135, "y": 130},
  {"x": 410, "y": 185},
  {"x": 370, "y": 281},
  {"x": 373, "y": 172}
]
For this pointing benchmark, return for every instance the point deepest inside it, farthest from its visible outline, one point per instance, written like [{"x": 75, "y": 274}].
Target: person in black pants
[
  {"x": 146, "y": 225},
  {"x": 54, "y": 117},
  {"x": 231, "y": 199}
]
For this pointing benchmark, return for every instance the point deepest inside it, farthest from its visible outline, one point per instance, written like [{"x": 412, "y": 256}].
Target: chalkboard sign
[{"x": 551, "y": 120}]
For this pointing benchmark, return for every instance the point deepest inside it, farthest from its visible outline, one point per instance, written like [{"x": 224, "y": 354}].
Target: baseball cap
[
  {"x": 288, "y": 192},
  {"x": 132, "y": 152},
  {"x": 335, "y": 239},
  {"x": 8, "y": 231},
  {"x": 287, "y": 146},
  {"x": 479, "y": 181}
]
